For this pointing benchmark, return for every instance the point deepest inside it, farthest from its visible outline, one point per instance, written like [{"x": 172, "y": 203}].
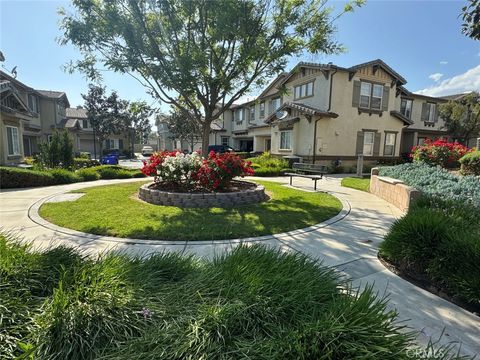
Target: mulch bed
[
  {"x": 235, "y": 186},
  {"x": 423, "y": 281}
]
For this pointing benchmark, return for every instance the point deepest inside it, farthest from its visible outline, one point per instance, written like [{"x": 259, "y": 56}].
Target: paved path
[{"x": 348, "y": 242}]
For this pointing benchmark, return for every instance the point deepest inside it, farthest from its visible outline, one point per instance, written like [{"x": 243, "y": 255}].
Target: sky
[{"x": 421, "y": 40}]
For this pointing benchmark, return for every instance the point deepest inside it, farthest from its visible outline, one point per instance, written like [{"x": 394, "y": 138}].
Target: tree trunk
[{"x": 205, "y": 137}]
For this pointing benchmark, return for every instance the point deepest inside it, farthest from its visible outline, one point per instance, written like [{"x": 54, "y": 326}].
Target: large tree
[
  {"x": 462, "y": 117},
  {"x": 137, "y": 121},
  {"x": 199, "y": 55},
  {"x": 183, "y": 128},
  {"x": 106, "y": 113},
  {"x": 471, "y": 19}
]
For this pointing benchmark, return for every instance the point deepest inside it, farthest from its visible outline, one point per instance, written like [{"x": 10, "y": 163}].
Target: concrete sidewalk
[{"x": 348, "y": 242}]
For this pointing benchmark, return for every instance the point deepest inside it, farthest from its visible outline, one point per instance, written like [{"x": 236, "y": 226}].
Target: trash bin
[
  {"x": 292, "y": 159},
  {"x": 109, "y": 160}
]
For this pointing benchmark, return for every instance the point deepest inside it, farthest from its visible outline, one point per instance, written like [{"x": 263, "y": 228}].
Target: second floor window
[
  {"x": 406, "y": 108},
  {"x": 303, "y": 91},
  {"x": 239, "y": 113},
  {"x": 371, "y": 95},
  {"x": 85, "y": 124},
  {"x": 429, "y": 112},
  {"x": 33, "y": 103},
  {"x": 275, "y": 103},
  {"x": 252, "y": 113},
  {"x": 262, "y": 110}
]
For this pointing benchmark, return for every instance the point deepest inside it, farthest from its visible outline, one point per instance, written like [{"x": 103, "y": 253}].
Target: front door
[
  {"x": 268, "y": 144},
  {"x": 27, "y": 146}
]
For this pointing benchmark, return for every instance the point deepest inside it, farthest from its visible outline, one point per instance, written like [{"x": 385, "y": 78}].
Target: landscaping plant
[
  {"x": 470, "y": 163},
  {"x": 175, "y": 170},
  {"x": 253, "y": 303},
  {"x": 267, "y": 165},
  {"x": 439, "y": 152},
  {"x": 57, "y": 152}
]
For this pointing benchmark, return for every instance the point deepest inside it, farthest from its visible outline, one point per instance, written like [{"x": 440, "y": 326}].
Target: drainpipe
[{"x": 316, "y": 121}]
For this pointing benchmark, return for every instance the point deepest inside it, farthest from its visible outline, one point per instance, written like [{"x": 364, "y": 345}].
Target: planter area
[{"x": 248, "y": 193}]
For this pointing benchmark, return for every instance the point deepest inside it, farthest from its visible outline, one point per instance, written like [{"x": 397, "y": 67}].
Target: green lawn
[
  {"x": 356, "y": 183},
  {"x": 113, "y": 210}
]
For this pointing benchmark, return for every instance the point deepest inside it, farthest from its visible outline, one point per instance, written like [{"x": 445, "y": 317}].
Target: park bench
[{"x": 310, "y": 171}]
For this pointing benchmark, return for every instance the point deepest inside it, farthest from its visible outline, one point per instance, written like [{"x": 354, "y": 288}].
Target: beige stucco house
[{"x": 325, "y": 113}]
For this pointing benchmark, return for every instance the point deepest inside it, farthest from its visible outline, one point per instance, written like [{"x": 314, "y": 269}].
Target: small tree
[
  {"x": 106, "y": 113},
  {"x": 199, "y": 56},
  {"x": 58, "y": 152},
  {"x": 137, "y": 121},
  {"x": 66, "y": 150},
  {"x": 462, "y": 117},
  {"x": 471, "y": 19},
  {"x": 183, "y": 128}
]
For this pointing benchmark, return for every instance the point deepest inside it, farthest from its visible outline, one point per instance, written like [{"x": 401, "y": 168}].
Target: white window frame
[
  {"x": 285, "y": 141},
  {"x": 116, "y": 144},
  {"x": 33, "y": 103},
  {"x": 252, "y": 113},
  {"x": 84, "y": 121},
  {"x": 274, "y": 101},
  {"x": 15, "y": 146},
  {"x": 371, "y": 144},
  {"x": 223, "y": 138},
  {"x": 407, "y": 109},
  {"x": 387, "y": 143},
  {"x": 431, "y": 110},
  {"x": 239, "y": 115},
  {"x": 376, "y": 86},
  {"x": 365, "y": 93},
  {"x": 262, "y": 110},
  {"x": 422, "y": 139},
  {"x": 303, "y": 91}
]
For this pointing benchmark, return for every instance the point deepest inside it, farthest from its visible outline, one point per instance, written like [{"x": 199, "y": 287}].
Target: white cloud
[
  {"x": 468, "y": 81},
  {"x": 435, "y": 77},
  {"x": 443, "y": 62}
]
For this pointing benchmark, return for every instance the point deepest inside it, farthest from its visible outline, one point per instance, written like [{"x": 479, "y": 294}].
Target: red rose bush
[
  {"x": 191, "y": 172},
  {"x": 439, "y": 152}
]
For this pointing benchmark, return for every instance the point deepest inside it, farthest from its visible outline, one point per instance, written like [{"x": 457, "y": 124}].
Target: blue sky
[{"x": 419, "y": 39}]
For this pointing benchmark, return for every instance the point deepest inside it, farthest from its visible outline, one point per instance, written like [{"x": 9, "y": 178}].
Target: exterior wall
[
  {"x": 321, "y": 89},
  {"x": 8, "y": 120},
  {"x": 48, "y": 114}
]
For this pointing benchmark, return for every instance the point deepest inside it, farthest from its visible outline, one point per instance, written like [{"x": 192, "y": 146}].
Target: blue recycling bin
[{"x": 109, "y": 160}]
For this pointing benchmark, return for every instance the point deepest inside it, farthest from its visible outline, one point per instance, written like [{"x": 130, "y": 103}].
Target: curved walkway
[{"x": 348, "y": 242}]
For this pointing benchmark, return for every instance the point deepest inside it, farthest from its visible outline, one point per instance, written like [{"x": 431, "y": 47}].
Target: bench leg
[
  {"x": 291, "y": 180},
  {"x": 315, "y": 186}
]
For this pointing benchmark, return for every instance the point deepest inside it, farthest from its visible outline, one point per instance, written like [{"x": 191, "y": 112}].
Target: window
[
  {"x": 239, "y": 114},
  {"x": 33, "y": 103},
  {"x": 303, "y": 91},
  {"x": 421, "y": 141},
  {"x": 275, "y": 104},
  {"x": 389, "y": 148},
  {"x": 406, "y": 108},
  {"x": 377, "y": 97},
  {"x": 113, "y": 144},
  {"x": 365, "y": 90},
  {"x": 225, "y": 141},
  {"x": 252, "y": 113},
  {"x": 431, "y": 112},
  {"x": 368, "y": 141},
  {"x": 286, "y": 140},
  {"x": 13, "y": 140},
  {"x": 85, "y": 124},
  {"x": 262, "y": 110}
]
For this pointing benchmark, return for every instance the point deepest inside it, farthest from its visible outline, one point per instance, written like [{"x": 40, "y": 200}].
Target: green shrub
[
  {"x": 84, "y": 155},
  {"x": 88, "y": 174},
  {"x": 85, "y": 163},
  {"x": 263, "y": 171},
  {"x": 267, "y": 165},
  {"x": 470, "y": 163},
  {"x": 124, "y": 174},
  {"x": 254, "y": 303},
  {"x": 431, "y": 239},
  {"x": 11, "y": 177},
  {"x": 58, "y": 152},
  {"x": 63, "y": 176},
  {"x": 138, "y": 174}
]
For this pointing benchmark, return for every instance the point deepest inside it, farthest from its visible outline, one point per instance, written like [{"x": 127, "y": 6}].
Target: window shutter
[
  {"x": 386, "y": 93},
  {"x": 376, "y": 144},
  {"x": 356, "y": 95},
  {"x": 120, "y": 144},
  {"x": 435, "y": 117},
  {"x": 424, "y": 112},
  {"x": 359, "y": 149}
]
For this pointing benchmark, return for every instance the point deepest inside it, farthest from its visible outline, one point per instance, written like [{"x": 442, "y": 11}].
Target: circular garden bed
[
  {"x": 240, "y": 193},
  {"x": 116, "y": 210}
]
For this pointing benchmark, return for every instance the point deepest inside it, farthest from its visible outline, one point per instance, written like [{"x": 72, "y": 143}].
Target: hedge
[
  {"x": 12, "y": 177},
  {"x": 85, "y": 163},
  {"x": 470, "y": 163}
]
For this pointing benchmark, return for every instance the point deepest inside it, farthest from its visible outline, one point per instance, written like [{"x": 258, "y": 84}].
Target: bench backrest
[{"x": 314, "y": 168}]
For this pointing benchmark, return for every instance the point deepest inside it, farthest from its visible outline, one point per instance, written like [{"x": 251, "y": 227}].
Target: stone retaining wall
[
  {"x": 392, "y": 190},
  {"x": 202, "y": 200}
]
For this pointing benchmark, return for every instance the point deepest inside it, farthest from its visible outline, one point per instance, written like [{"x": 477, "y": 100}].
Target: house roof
[
  {"x": 51, "y": 94},
  {"x": 402, "y": 117},
  {"x": 6, "y": 86},
  {"x": 380, "y": 63},
  {"x": 76, "y": 113},
  {"x": 69, "y": 124},
  {"x": 455, "y": 96},
  {"x": 279, "y": 79},
  {"x": 303, "y": 108}
]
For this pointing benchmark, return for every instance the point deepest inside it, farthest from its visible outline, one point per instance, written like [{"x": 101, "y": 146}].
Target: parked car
[
  {"x": 110, "y": 159},
  {"x": 220, "y": 149},
  {"x": 147, "y": 150}
]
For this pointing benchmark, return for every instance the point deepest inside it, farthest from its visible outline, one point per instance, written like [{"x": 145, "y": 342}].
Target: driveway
[{"x": 349, "y": 242}]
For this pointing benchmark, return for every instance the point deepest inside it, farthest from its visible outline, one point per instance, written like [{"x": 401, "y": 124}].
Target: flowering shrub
[
  {"x": 439, "y": 152},
  {"x": 218, "y": 170},
  {"x": 191, "y": 172},
  {"x": 471, "y": 163},
  {"x": 435, "y": 182}
]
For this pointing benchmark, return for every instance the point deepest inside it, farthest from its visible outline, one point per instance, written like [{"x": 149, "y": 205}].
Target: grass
[
  {"x": 254, "y": 303},
  {"x": 356, "y": 183},
  {"x": 114, "y": 210}
]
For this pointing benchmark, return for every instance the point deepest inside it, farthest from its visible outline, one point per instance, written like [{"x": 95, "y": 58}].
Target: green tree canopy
[
  {"x": 462, "y": 117},
  {"x": 198, "y": 55},
  {"x": 137, "y": 121},
  {"x": 471, "y": 19},
  {"x": 183, "y": 128}
]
